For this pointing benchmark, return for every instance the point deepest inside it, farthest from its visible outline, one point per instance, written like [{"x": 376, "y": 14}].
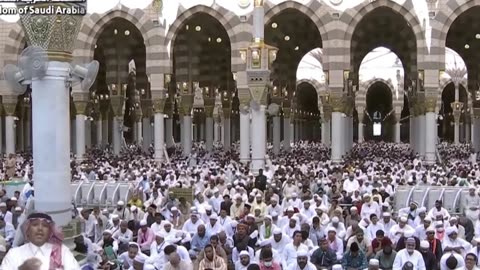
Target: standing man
[
  {"x": 10, "y": 166},
  {"x": 261, "y": 181}
]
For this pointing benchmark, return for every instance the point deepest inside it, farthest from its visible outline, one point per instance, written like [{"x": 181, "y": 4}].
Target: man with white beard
[
  {"x": 280, "y": 240},
  {"x": 409, "y": 254},
  {"x": 471, "y": 203}
]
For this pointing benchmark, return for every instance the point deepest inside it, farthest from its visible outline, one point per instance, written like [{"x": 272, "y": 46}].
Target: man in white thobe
[
  {"x": 471, "y": 204},
  {"x": 409, "y": 254}
]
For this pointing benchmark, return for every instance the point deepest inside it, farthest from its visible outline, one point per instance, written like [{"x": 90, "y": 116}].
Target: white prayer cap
[
  {"x": 430, "y": 229},
  {"x": 424, "y": 244},
  {"x": 143, "y": 222},
  {"x": 173, "y": 209},
  {"x": 290, "y": 209},
  {"x": 302, "y": 253},
  {"x": 335, "y": 220},
  {"x": 268, "y": 217},
  {"x": 133, "y": 208},
  {"x": 115, "y": 216},
  {"x": 277, "y": 231},
  {"x": 374, "y": 262},
  {"x": 214, "y": 216},
  {"x": 422, "y": 210},
  {"x": 353, "y": 208},
  {"x": 172, "y": 239},
  {"x": 451, "y": 230},
  {"x": 294, "y": 194},
  {"x": 234, "y": 223},
  {"x": 265, "y": 242},
  {"x": 244, "y": 253},
  {"x": 337, "y": 267},
  {"x": 408, "y": 233},
  {"x": 3, "y": 204},
  {"x": 366, "y": 195},
  {"x": 453, "y": 218},
  {"x": 294, "y": 218},
  {"x": 331, "y": 229},
  {"x": 107, "y": 232},
  {"x": 274, "y": 214},
  {"x": 140, "y": 259},
  {"x": 120, "y": 203},
  {"x": 160, "y": 234},
  {"x": 18, "y": 208},
  {"x": 477, "y": 240},
  {"x": 13, "y": 199},
  {"x": 403, "y": 219},
  {"x": 208, "y": 208},
  {"x": 250, "y": 216}
]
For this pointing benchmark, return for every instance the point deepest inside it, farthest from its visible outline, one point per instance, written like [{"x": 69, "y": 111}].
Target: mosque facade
[{"x": 180, "y": 71}]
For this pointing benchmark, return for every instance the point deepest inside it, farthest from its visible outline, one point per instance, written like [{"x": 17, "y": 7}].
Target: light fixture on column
[
  {"x": 85, "y": 74},
  {"x": 32, "y": 63}
]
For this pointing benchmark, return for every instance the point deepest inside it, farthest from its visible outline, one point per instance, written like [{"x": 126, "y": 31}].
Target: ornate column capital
[
  {"x": 430, "y": 104},
  {"x": 159, "y": 105},
  {"x": 327, "y": 112},
  {"x": 81, "y": 107},
  {"x": 287, "y": 112},
  {"x": 186, "y": 104},
  {"x": 10, "y": 104},
  {"x": 118, "y": 103},
  {"x": 209, "y": 103},
  {"x": 337, "y": 103}
]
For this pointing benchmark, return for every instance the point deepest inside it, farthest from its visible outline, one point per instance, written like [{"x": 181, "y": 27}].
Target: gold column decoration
[
  {"x": 287, "y": 111},
  {"x": 159, "y": 105},
  {"x": 146, "y": 108},
  {"x": 430, "y": 104},
  {"x": 186, "y": 104},
  {"x": 81, "y": 107},
  {"x": 209, "y": 104},
  {"x": 457, "y": 110},
  {"x": 55, "y": 33},
  {"x": 117, "y": 105},
  {"x": 337, "y": 103},
  {"x": 10, "y": 105}
]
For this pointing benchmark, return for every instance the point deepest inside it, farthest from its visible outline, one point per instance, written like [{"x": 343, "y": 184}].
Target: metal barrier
[
  {"x": 426, "y": 196},
  {"x": 99, "y": 193}
]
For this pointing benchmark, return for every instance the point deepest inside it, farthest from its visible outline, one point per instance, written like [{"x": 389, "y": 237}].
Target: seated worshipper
[
  {"x": 335, "y": 243},
  {"x": 438, "y": 210},
  {"x": 211, "y": 260},
  {"x": 397, "y": 231},
  {"x": 428, "y": 256},
  {"x": 45, "y": 244},
  {"x": 435, "y": 244},
  {"x": 176, "y": 218},
  {"x": 123, "y": 236},
  {"x": 380, "y": 241},
  {"x": 214, "y": 242},
  {"x": 121, "y": 211},
  {"x": 388, "y": 223},
  {"x": 354, "y": 258},
  {"x": 461, "y": 230},
  {"x": 239, "y": 248},
  {"x": 158, "y": 261},
  {"x": 373, "y": 264},
  {"x": 266, "y": 229},
  {"x": 176, "y": 263},
  {"x": 401, "y": 242},
  {"x": 267, "y": 262},
  {"x": 363, "y": 243},
  {"x": 302, "y": 262},
  {"x": 292, "y": 226},
  {"x": 421, "y": 229},
  {"x": 108, "y": 241},
  {"x": 244, "y": 261},
  {"x": 200, "y": 239},
  {"x": 145, "y": 237},
  {"x": 471, "y": 262},
  {"x": 386, "y": 257},
  {"x": 410, "y": 212},
  {"x": 114, "y": 224},
  {"x": 455, "y": 244},
  {"x": 324, "y": 257},
  {"x": 452, "y": 261},
  {"x": 280, "y": 240},
  {"x": 7, "y": 231},
  {"x": 264, "y": 246},
  {"x": 190, "y": 226},
  {"x": 339, "y": 228},
  {"x": 213, "y": 226},
  {"x": 409, "y": 254},
  {"x": 127, "y": 259},
  {"x": 158, "y": 224},
  {"x": 158, "y": 244},
  {"x": 373, "y": 227},
  {"x": 242, "y": 236},
  {"x": 290, "y": 251}
]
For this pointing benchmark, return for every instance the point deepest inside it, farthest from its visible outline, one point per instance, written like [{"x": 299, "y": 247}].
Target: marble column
[
  {"x": 227, "y": 128},
  {"x": 422, "y": 134},
  {"x": 99, "y": 127},
  {"x": 9, "y": 105},
  {"x": 259, "y": 136},
  {"x": 159, "y": 126},
  {"x": 169, "y": 132},
  {"x": 325, "y": 132},
  {"x": 20, "y": 130},
  {"x": 216, "y": 130},
  {"x": 187, "y": 133},
  {"x": 276, "y": 134},
  {"x": 105, "y": 129},
  {"x": 209, "y": 124},
  {"x": 139, "y": 131},
  {"x": 146, "y": 126},
  {"x": 244, "y": 135},
  {"x": 28, "y": 130},
  {"x": 287, "y": 139},
  {"x": 430, "y": 126},
  {"x": 337, "y": 136},
  {"x": 411, "y": 130},
  {"x": 467, "y": 129},
  {"x": 117, "y": 134},
  {"x": 456, "y": 117},
  {"x": 361, "y": 114},
  {"x": 81, "y": 101},
  {"x": 88, "y": 134},
  {"x": 398, "y": 116},
  {"x": 50, "y": 116}
]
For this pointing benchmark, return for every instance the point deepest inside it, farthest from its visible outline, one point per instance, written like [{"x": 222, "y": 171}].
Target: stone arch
[
  {"x": 361, "y": 96},
  {"x": 444, "y": 20},
  {"x": 352, "y": 17},
  {"x": 444, "y": 81},
  {"x": 319, "y": 88},
  {"x": 227, "y": 19},
  {"x": 94, "y": 24},
  {"x": 316, "y": 12},
  {"x": 14, "y": 44}
]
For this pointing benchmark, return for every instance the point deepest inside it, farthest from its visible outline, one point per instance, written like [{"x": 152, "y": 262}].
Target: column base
[{"x": 70, "y": 232}]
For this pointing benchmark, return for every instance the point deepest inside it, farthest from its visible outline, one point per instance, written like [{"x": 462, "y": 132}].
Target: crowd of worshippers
[{"x": 300, "y": 212}]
